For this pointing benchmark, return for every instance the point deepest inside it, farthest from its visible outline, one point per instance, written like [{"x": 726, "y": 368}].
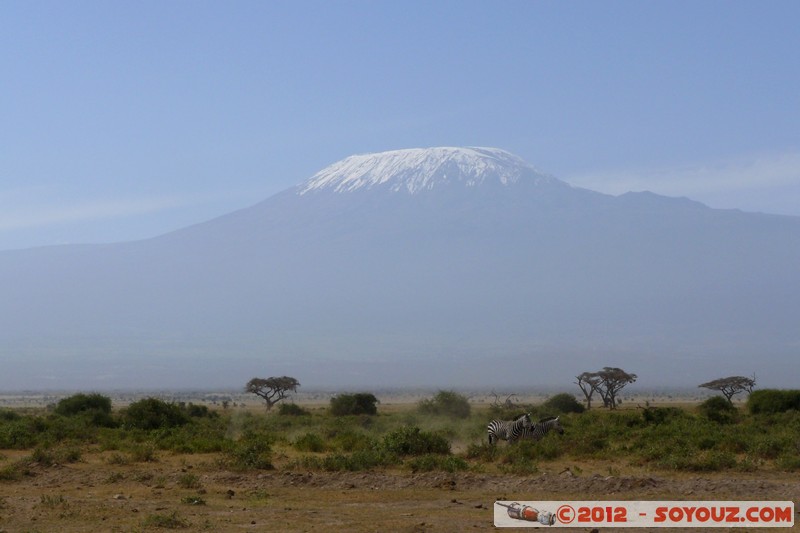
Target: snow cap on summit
[{"x": 418, "y": 169}]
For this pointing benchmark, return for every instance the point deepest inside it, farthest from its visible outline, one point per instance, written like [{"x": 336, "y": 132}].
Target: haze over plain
[
  {"x": 129, "y": 123},
  {"x": 440, "y": 266}
]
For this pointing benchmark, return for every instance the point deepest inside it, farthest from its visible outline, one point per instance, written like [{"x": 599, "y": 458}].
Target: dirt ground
[{"x": 194, "y": 493}]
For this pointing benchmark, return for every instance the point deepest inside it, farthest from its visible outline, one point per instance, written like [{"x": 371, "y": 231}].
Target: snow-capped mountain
[
  {"x": 417, "y": 170},
  {"x": 440, "y": 267}
]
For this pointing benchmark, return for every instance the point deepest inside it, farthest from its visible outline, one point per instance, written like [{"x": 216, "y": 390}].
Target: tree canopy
[
  {"x": 731, "y": 385},
  {"x": 273, "y": 389},
  {"x": 606, "y": 382},
  {"x": 360, "y": 403}
]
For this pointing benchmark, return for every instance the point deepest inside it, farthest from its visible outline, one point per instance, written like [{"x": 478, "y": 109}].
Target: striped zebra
[
  {"x": 509, "y": 430},
  {"x": 538, "y": 430}
]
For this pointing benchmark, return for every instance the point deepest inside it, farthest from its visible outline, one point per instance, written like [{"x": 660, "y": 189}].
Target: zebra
[
  {"x": 509, "y": 430},
  {"x": 538, "y": 430}
]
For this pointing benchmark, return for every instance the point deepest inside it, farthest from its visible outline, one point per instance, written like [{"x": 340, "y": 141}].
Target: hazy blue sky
[{"x": 124, "y": 120}]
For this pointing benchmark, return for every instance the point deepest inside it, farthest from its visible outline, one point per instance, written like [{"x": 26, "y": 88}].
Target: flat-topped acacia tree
[
  {"x": 606, "y": 382},
  {"x": 273, "y": 389},
  {"x": 731, "y": 385}
]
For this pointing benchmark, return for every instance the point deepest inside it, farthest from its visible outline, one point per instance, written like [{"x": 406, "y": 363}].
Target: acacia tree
[
  {"x": 613, "y": 380},
  {"x": 588, "y": 382},
  {"x": 272, "y": 390},
  {"x": 731, "y": 385},
  {"x": 607, "y": 383}
]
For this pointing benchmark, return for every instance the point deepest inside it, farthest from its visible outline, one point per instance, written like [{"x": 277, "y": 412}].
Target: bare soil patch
[{"x": 193, "y": 493}]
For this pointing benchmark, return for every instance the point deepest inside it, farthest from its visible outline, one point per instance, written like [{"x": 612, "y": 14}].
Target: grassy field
[{"x": 410, "y": 467}]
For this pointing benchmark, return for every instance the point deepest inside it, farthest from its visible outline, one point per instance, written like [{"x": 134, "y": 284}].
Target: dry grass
[
  {"x": 116, "y": 491},
  {"x": 96, "y": 495}
]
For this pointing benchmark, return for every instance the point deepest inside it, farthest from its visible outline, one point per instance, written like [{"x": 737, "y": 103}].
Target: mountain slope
[{"x": 446, "y": 267}]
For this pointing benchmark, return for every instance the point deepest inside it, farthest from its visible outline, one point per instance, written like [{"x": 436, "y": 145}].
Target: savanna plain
[{"x": 421, "y": 462}]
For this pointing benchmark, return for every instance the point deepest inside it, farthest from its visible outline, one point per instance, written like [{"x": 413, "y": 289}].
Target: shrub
[
  {"x": 20, "y": 433},
  {"x": 545, "y": 449},
  {"x": 482, "y": 452},
  {"x": 292, "y": 409},
  {"x": 198, "y": 411},
  {"x": 519, "y": 458},
  {"x": 788, "y": 463},
  {"x": 193, "y": 500},
  {"x": 152, "y": 413},
  {"x": 251, "y": 452},
  {"x": 707, "y": 461},
  {"x": 718, "y": 409},
  {"x": 447, "y": 403},
  {"x": 661, "y": 415},
  {"x": 561, "y": 404},
  {"x": 7, "y": 415},
  {"x": 170, "y": 521},
  {"x": 43, "y": 457},
  {"x": 79, "y": 403},
  {"x": 310, "y": 442},
  {"x": 410, "y": 440},
  {"x": 201, "y": 436},
  {"x": 362, "y": 403},
  {"x": 16, "y": 470},
  {"x": 95, "y": 408},
  {"x": 117, "y": 458},
  {"x": 50, "y": 457},
  {"x": 189, "y": 481},
  {"x": 351, "y": 441},
  {"x": 354, "y": 462},
  {"x": 432, "y": 462},
  {"x": 771, "y": 445},
  {"x": 766, "y": 401},
  {"x": 144, "y": 452}
]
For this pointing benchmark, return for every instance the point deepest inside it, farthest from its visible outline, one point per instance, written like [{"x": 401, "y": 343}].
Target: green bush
[
  {"x": 79, "y": 403},
  {"x": 170, "y": 521},
  {"x": 50, "y": 457},
  {"x": 519, "y": 458},
  {"x": 189, "y": 481},
  {"x": 446, "y": 403},
  {"x": 43, "y": 457},
  {"x": 705, "y": 461},
  {"x": 253, "y": 451},
  {"x": 143, "y": 452},
  {"x": 292, "y": 409},
  {"x": 562, "y": 403},
  {"x": 351, "y": 441},
  {"x": 357, "y": 461},
  {"x": 15, "y": 471},
  {"x": 770, "y": 445},
  {"x": 482, "y": 452},
  {"x": 8, "y": 415},
  {"x": 20, "y": 433},
  {"x": 95, "y": 408},
  {"x": 766, "y": 401},
  {"x": 362, "y": 403},
  {"x": 661, "y": 415},
  {"x": 432, "y": 462},
  {"x": 152, "y": 413},
  {"x": 205, "y": 435},
  {"x": 545, "y": 449},
  {"x": 718, "y": 409},
  {"x": 789, "y": 463},
  {"x": 197, "y": 411},
  {"x": 410, "y": 440},
  {"x": 310, "y": 442}
]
